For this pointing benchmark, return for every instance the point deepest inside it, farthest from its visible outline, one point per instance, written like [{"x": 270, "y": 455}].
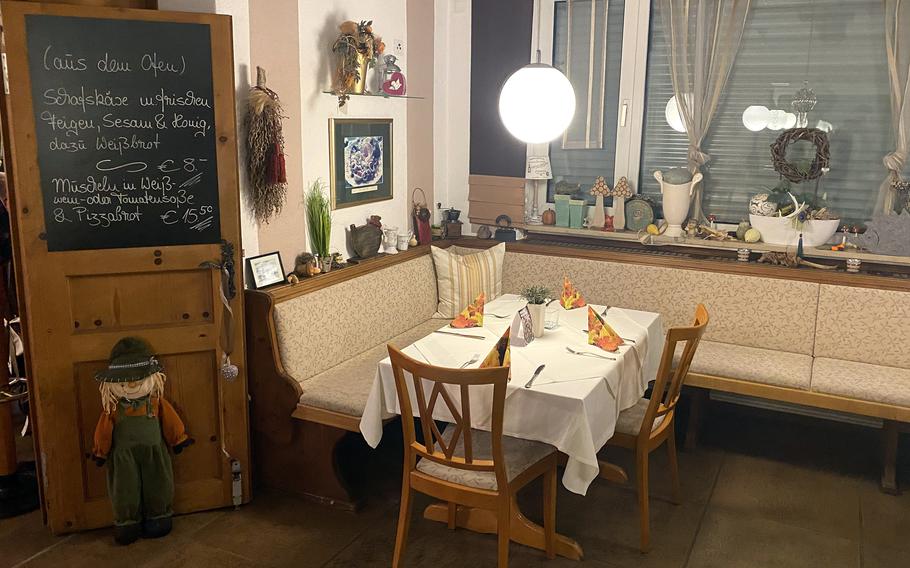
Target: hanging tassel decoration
[
  {"x": 799, "y": 247},
  {"x": 265, "y": 150},
  {"x": 276, "y": 173}
]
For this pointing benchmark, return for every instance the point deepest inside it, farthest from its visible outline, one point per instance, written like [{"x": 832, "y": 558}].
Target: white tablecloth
[{"x": 573, "y": 404}]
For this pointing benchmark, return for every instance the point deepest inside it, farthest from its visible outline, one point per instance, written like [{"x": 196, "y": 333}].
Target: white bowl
[{"x": 781, "y": 230}]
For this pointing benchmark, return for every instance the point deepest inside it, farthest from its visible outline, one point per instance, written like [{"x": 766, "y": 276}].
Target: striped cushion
[{"x": 461, "y": 277}]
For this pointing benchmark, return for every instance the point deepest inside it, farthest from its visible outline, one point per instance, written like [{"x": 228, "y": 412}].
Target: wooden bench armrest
[
  {"x": 327, "y": 417},
  {"x": 330, "y": 418}
]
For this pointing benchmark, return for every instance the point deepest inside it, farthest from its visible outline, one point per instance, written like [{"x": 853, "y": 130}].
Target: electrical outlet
[{"x": 398, "y": 46}]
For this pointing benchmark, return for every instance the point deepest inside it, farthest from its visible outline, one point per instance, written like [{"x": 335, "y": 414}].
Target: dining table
[{"x": 573, "y": 403}]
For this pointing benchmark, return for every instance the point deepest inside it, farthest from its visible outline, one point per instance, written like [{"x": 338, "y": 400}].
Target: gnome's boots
[{"x": 140, "y": 479}]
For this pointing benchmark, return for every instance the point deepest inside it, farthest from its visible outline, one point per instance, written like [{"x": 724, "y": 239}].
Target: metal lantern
[{"x": 803, "y": 102}]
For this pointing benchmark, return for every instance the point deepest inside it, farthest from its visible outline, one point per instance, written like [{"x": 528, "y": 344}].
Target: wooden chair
[
  {"x": 651, "y": 422},
  {"x": 470, "y": 467}
]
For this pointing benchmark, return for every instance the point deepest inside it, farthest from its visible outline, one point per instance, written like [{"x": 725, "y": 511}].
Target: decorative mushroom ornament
[
  {"x": 621, "y": 192},
  {"x": 599, "y": 190}
]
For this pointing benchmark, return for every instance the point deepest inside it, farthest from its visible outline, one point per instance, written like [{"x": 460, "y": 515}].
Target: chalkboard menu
[{"x": 125, "y": 128}]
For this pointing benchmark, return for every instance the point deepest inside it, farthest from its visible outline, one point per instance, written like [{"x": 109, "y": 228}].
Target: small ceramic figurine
[{"x": 132, "y": 437}]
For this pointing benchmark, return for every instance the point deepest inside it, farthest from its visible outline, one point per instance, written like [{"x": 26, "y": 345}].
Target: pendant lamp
[{"x": 537, "y": 102}]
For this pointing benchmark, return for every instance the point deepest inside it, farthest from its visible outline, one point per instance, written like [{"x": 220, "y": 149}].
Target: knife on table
[
  {"x": 459, "y": 334},
  {"x": 534, "y": 376}
]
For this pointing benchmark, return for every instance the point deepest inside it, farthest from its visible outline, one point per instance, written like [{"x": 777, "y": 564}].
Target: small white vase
[
  {"x": 538, "y": 315},
  {"x": 597, "y": 219},
  {"x": 676, "y": 201}
]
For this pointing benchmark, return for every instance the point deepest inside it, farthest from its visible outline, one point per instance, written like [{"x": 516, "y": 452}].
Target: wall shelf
[{"x": 379, "y": 95}]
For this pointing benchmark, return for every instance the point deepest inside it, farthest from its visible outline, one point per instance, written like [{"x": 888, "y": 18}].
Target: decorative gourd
[
  {"x": 752, "y": 236},
  {"x": 742, "y": 228},
  {"x": 548, "y": 217}
]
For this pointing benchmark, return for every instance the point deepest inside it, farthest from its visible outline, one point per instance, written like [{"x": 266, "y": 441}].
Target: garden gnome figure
[{"x": 136, "y": 426}]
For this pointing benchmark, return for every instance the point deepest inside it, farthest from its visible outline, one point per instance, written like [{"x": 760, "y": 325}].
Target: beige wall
[
  {"x": 275, "y": 46},
  {"x": 420, "y": 112},
  {"x": 318, "y": 28},
  {"x": 292, "y": 40},
  {"x": 239, "y": 12}
]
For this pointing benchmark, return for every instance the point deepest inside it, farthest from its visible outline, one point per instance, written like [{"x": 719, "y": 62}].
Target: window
[
  {"x": 591, "y": 57},
  {"x": 838, "y": 47},
  {"x": 835, "y": 45}
]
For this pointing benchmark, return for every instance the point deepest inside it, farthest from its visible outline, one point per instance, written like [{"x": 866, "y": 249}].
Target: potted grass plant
[
  {"x": 536, "y": 297},
  {"x": 319, "y": 223}
]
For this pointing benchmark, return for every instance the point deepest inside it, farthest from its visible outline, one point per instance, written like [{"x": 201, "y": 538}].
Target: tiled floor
[{"x": 764, "y": 489}]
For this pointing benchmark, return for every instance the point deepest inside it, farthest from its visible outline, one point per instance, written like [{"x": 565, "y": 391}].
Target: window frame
[{"x": 631, "y": 102}]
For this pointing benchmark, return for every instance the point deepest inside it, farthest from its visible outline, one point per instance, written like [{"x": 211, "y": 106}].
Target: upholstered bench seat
[
  {"x": 767, "y": 366},
  {"x": 345, "y": 387},
  {"x": 863, "y": 381}
]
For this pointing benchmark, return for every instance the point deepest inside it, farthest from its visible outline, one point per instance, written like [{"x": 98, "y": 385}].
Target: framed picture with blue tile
[{"x": 360, "y": 156}]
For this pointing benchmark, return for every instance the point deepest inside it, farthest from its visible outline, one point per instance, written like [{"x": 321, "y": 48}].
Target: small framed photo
[
  {"x": 266, "y": 270},
  {"x": 360, "y": 156}
]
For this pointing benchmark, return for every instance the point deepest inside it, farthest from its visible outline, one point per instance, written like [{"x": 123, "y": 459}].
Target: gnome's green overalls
[
  {"x": 132, "y": 437},
  {"x": 140, "y": 479}
]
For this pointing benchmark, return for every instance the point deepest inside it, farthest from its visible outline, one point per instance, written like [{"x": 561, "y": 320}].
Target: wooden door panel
[
  {"x": 159, "y": 293},
  {"x": 115, "y": 302},
  {"x": 191, "y": 388},
  {"x": 88, "y": 401}
]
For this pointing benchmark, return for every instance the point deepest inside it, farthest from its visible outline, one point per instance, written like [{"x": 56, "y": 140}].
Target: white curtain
[
  {"x": 897, "y": 28},
  {"x": 704, "y": 36}
]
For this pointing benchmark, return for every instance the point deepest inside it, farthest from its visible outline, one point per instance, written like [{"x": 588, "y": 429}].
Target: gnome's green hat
[{"x": 131, "y": 359}]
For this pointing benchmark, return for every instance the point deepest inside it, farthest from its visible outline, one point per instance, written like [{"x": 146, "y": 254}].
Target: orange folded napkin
[
  {"x": 472, "y": 316},
  {"x": 600, "y": 333},
  {"x": 571, "y": 298},
  {"x": 500, "y": 355}
]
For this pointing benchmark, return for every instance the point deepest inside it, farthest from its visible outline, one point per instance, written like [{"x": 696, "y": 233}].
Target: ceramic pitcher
[
  {"x": 390, "y": 242},
  {"x": 676, "y": 201}
]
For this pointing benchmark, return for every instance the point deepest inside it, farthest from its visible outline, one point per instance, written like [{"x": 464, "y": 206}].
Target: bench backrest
[
  {"x": 321, "y": 329},
  {"x": 768, "y": 313},
  {"x": 864, "y": 325}
]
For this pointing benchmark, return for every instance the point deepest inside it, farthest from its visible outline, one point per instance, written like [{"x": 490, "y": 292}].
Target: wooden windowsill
[
  {"x": 662, "y": 241},
  {"x": 648, "y": 256}
]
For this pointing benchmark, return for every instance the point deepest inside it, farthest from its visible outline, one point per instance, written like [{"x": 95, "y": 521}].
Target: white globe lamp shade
[
  {"x": 673, "y": 116},
  {"x": 777, "y": 119},
  {"x": 756, "y": 117},
  {"x": 789, "y": 120},
  {"x": 537, "y": 103}
]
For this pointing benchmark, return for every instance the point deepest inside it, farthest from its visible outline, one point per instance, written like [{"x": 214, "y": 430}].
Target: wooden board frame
[{"x": 51, "y": 346}]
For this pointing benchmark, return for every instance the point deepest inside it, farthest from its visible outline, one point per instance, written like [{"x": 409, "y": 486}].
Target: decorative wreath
[{"x": 789, "y": 170}]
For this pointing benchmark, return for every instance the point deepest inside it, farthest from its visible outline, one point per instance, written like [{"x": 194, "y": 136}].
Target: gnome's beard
[{"x": 111, "y": 393}]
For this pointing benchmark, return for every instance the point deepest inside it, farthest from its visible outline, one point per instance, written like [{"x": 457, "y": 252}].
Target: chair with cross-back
[
  {"x": 461, "y": 465},
  {"x": 651, "y": 422}
]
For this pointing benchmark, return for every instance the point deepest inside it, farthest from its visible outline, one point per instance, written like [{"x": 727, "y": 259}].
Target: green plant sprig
[
  {"x": 319, "y": 218},
  {"x": 536, "y": 294}
]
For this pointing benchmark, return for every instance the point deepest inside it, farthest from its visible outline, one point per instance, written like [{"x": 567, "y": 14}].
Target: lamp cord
[{"x": 537, "y": 11}]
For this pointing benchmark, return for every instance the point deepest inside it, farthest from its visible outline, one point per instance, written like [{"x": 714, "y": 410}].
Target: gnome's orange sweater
[{"x": 171, "y": 426}]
